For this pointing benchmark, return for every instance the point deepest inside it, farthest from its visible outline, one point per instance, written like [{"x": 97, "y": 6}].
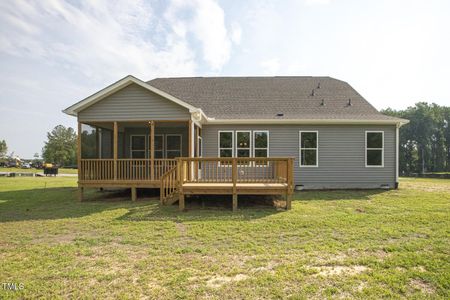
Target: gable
[{"x": 133, "y": 103}]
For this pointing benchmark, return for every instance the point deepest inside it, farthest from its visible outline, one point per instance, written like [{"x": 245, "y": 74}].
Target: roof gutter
[{"x": 399, "y": 122}]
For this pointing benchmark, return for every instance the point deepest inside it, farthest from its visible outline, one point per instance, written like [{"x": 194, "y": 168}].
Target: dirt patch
[
  {"x": 63, "y": 238},
  {"x": 361, "y": 286},
  {"x": 268, "y": 268},
  {"x": 420, "y": 269},
  {"x": 218, "y": 281},
  {"x": 181, "y": 228},
  {"x": 327, "y": 271},
  {"x": 340, "y": 257},
  {"x": 423, "y": 286}
]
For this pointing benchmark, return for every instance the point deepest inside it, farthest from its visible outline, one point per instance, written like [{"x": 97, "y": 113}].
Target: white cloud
[
  {"x": 205, "y": 21},
  {"x": 317, "y": 2},
  {"x": 236, "y": 33},
  {"x": 270, "y": 66},
  {"x": 99, "y": 39}
]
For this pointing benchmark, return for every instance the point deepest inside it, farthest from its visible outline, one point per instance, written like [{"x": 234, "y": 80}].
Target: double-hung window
[
  {"x": 243, "y": 144},
  {"x": 260, "y": 144},
  {"x": 309, "y": 152},
  {"x": 374, "y": 148},
  {"x": 225, "y": 143}
]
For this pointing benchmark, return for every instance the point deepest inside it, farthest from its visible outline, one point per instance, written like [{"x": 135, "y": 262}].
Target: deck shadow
[
  {"x": 62, "y": 203},
  {"x": 56, "y": 203},
  {"x": 206, "y": 208}
]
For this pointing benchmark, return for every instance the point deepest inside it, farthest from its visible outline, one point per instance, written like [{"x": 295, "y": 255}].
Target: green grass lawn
[
  {"x": 32, "y": 170},
  {"x": 348, "y": 244}
]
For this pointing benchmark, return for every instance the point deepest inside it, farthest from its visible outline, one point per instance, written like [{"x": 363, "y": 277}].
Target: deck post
[
  {"x": 290, "y": 182},
  {"x": 152, "y": 150},
  {"x": 288, "y": 201},
  {"x": 180, "y": 184},
  {"x": 234, "y": 178},
  {"x": 235, "y": 202},
  {"x": 133, "y": 194},
  {"x": 116, "y": 137},
  {"x": 181, "y": 202}
]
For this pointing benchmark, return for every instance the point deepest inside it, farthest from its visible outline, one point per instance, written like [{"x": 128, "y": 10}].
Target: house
[{"x": 234, "y": 135}]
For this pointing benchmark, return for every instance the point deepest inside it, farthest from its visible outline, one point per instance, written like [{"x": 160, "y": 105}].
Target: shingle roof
[{"x": 298, "y": 97}]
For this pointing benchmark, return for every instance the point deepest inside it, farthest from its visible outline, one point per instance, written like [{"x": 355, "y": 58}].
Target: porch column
[
  {"x": 191, "y": 148},
  {"x": 191, "y": 139},
  {"x": 152, "y": 150},
  {"x": 116, "y": 141},
  {"x": 79, "y": 150},
  {"x": 80, "y": 188}
]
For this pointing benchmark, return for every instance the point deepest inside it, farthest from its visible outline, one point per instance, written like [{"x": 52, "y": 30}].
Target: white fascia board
[
  {"x": 74, "y": 109},
  {"x": 306, "y": 121}
]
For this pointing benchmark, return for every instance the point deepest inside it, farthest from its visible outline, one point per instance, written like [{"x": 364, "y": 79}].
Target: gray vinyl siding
[
  {"x": 133, "y": 103},
  {"x": 341, "y": 153}
]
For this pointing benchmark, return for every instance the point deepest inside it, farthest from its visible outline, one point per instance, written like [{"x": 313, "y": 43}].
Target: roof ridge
[{"x": 242, "y": 77}]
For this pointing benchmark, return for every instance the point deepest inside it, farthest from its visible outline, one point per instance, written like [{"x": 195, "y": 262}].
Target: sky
[{"x": 54, "y": 53}]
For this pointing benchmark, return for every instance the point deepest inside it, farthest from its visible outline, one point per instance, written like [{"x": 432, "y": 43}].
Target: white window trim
[
  {"x": 145, "y": 146},
  {"x": 165, "y": 144},
  {"x": 218, "y": 142},
  {"x": 300, "y": 149},
  {"x": 382, "y": 149},
  {"x": 268, "y": 142}
]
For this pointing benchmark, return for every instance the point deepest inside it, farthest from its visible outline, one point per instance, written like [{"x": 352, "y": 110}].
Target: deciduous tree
[{"x": 61, "y": 146}]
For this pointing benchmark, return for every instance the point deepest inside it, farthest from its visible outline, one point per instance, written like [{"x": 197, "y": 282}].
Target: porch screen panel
[
  {"x": 159, "y": 146},
  {"x": 89, "y": 141},
  {"x": 173, "y": 146},
  {"x": 137, "y": 146}
]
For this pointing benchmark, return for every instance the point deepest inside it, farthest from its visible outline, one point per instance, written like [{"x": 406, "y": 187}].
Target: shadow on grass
[
  {"x": 206, "y": 208},
  {"x": 56, "y": 203},
  {"x": 333, "y": 195},
  {"x": 61, "y": 203}
]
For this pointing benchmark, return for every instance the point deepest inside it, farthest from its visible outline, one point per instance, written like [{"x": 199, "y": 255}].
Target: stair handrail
[{"x": 168, "y": 184}]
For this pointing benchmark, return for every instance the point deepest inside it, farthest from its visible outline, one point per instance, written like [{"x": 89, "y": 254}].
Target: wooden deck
[
  {"x": 179, "y": 177},
  {"x": 241, "y": 188},
  {"x": 233, "y": 176}
]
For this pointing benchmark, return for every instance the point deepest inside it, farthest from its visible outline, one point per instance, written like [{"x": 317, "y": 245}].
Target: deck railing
[
  {"x": 190, "y": 170},
  {"x": 169, "y": 185},
  {"x": 240, "y": 170},
  {"x": 124, "y": 169}
]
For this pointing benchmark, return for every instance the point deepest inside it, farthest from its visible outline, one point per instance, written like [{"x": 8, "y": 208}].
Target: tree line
[{"x": 425, "y": 141}]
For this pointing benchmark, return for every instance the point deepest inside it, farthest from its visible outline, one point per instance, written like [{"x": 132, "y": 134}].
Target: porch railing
[{"x": 124, "y": 169}]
